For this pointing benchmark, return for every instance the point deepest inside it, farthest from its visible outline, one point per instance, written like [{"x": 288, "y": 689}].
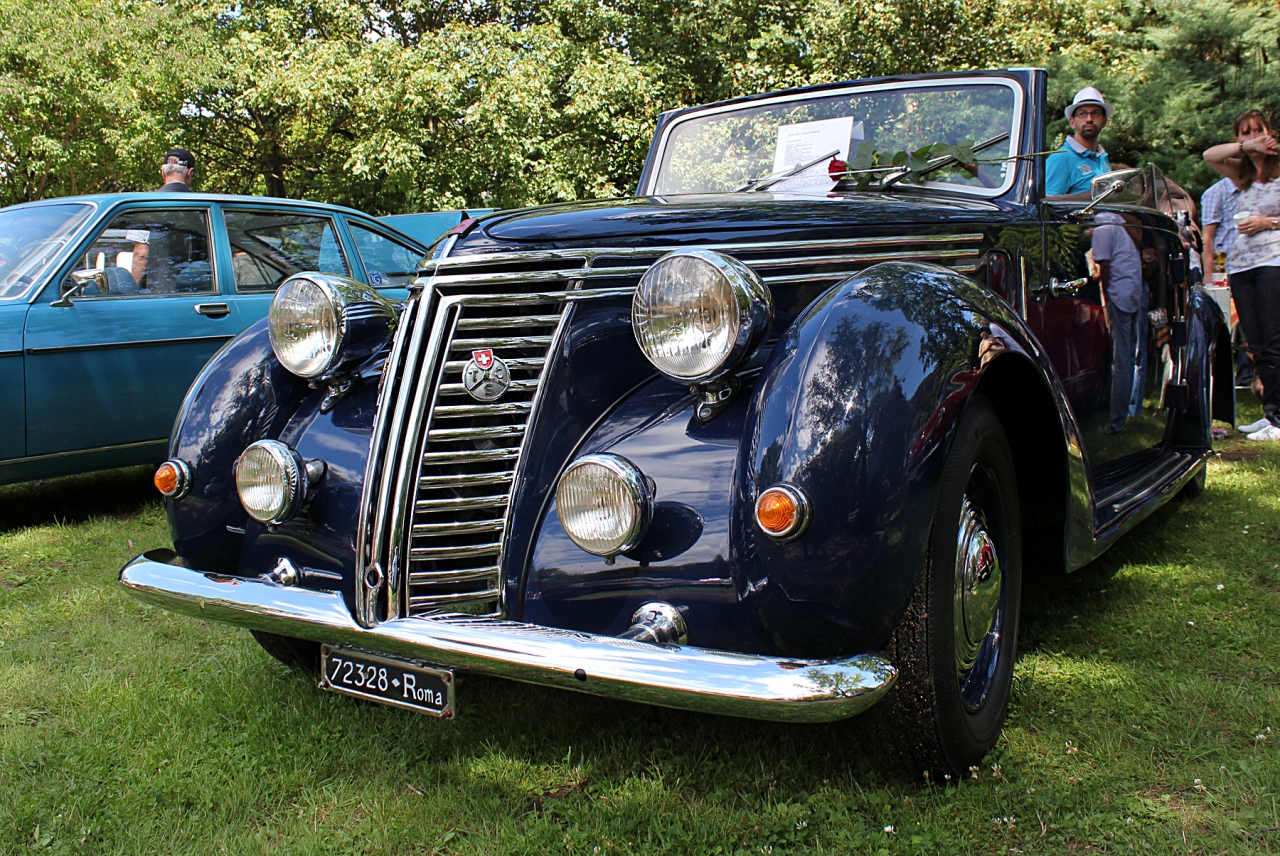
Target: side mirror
[
  {"x": 1133, "y": 186},
  {"x": 79, "y": 282}
]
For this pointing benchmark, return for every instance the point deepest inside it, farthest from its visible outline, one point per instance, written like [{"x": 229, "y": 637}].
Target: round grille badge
[{"x": 485, "y": 377}]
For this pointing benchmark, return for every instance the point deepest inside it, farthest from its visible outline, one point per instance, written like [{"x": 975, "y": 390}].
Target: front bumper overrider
[{"x": 685, "y": 677}]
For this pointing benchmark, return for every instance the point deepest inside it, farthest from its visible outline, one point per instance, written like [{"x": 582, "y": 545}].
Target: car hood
[{"x": 665, "y": 218}]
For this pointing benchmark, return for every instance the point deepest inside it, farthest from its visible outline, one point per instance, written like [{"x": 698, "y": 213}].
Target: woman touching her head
[{"x": 1253, "y": 263}]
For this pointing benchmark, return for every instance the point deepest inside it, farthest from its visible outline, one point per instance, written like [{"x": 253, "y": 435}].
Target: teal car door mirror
[{"x": 78, "y": 282}]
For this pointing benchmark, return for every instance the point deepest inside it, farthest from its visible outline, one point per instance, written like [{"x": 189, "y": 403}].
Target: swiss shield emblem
[{"x": 485, "y": 377}]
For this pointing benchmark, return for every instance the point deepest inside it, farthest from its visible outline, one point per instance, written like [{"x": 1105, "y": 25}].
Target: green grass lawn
[{"x": 1145, "y": 718}]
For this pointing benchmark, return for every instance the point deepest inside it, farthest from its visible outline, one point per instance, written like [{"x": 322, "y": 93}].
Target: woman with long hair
[{"x": 1253, "y": 262}]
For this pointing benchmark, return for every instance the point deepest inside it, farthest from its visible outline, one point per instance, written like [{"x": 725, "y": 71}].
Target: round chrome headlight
[
  {"x": 318, "y": 322},
  {"x": 271, "y": 481},
  {"x": 303, "y": 327},
  {"x": 604, "y": 504},
  {"x": 697, "y": 313}
]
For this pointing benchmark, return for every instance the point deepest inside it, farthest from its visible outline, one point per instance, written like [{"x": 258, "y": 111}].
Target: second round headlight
[
  {"x": 697, "y": 313},
  {"x": 604, "y": 503},
  {"x": 271, "y": 481}
]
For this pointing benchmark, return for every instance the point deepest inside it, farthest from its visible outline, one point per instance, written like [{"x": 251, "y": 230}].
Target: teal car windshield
[
  {"x": 31, "y": 239},
  {"x": 760, "y": 144}
]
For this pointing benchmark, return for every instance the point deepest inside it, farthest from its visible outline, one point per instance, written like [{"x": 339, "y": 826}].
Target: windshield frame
[
  {"x": 36, "y": 287},
  {"x": 1015, "y": 128}
]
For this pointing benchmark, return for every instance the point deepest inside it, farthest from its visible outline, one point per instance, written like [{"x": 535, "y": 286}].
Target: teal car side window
[
  {"x": 269, "y": 246},
  {"x": 387, "y": 262},
  {"x": 147, "y": 253}
]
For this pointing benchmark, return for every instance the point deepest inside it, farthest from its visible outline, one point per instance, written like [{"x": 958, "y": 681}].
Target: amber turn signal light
[
  {"x": 782, "y": 511},
  {"x": 173, "y": 479}
]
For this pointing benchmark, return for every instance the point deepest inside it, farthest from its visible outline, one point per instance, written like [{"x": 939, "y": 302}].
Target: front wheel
[{"x": 956, "y": 643}]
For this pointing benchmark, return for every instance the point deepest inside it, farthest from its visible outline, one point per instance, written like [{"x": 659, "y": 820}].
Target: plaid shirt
[{"x": 1217, "y": 204}]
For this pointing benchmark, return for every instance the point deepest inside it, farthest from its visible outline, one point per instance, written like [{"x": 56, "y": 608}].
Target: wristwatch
[
  {"x": 1275, "y": 221},
  {"x": 1242, "y": 151}
]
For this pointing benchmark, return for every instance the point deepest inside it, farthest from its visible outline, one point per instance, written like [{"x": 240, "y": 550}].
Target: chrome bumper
[{"x": 698, "y": 679}]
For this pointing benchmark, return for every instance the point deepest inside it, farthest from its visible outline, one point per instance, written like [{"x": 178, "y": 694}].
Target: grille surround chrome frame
[{"x": 419, "y": 356}]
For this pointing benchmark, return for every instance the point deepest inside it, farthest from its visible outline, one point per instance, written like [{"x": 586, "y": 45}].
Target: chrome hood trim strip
[{"x": 683, "y": 677}]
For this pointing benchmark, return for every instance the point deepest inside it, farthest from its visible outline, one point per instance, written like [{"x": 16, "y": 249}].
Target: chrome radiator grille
[
  {"x": 442, "y": 466},
  {"x": 467, "y": 471}
]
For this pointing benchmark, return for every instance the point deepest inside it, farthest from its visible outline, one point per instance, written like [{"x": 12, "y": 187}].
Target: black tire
[
  {"x": 942, "y": 718},
  {"x": 295, "y": 653}
]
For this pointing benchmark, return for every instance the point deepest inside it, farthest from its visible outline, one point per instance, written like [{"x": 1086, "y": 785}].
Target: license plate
[{"x": 382, "y": 679}]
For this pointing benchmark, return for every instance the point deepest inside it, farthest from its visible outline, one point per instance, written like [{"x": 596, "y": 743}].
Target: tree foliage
[{"x": 400, "y": 105}]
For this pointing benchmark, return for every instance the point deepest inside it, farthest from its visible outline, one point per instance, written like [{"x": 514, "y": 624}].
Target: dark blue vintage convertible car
[{"x": 781, "y": 437}]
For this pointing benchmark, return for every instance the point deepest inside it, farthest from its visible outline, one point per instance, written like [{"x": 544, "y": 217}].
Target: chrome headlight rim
[
  {"x": 295, "y": 479},
  {"x": 335, "y": 305},
  {"x": 753, "y": 303},
  {"x": 363, "y": 317},
  {"x": 638, "y": 487}
]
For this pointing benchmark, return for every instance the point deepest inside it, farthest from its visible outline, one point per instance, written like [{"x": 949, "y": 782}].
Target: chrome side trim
[
  {"x": 697, "y": 679},
  {"x": 592, "y": 253},
  {"x": 164, "y": 442},
  {"x": 144, "y": 343}
]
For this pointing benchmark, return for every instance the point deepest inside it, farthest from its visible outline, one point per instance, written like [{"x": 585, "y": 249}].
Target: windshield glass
[
  {"x": 748, "y": 146},
  {"x": 30, "y": 240}
]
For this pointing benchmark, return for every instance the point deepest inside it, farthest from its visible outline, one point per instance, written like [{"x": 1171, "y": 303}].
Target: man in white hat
[{"x": 1071, "y": 169}]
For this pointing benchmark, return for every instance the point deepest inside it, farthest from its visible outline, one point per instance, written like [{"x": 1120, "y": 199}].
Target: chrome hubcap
[{"x": 976, "y": 616}]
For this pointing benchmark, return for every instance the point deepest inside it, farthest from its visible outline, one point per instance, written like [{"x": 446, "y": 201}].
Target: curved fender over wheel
[
  {"x": 243, "y": 394},
  {"x": 858, "y": 407}
]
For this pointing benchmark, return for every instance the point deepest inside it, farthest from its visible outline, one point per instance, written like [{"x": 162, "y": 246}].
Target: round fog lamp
[
  {"x": 697, "y": 313},
  {"x": 782, "y": 511},
  {"x": 271, "y": 481},
  {"x": 604, "y": 504}
]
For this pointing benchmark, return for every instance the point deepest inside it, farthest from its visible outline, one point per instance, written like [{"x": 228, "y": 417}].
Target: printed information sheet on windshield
[{"x": 808, "y": 140}]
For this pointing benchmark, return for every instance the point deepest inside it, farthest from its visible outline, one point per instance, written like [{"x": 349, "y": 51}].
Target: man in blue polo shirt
[{"x": 1071, "y": 169}]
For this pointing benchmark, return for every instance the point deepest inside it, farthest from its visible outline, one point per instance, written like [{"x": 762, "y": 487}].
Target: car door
[
  {"x": 268, "y": 245},
  {"x": 113, "y": 344},
  {"x": 1068, "y": 312},
  {"x": 13, "y": 429}
]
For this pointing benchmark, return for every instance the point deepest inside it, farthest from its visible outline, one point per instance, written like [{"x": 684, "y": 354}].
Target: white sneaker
[
  {"x": 1271, "y": 432},
  {"x": 1254, "y": 426}
]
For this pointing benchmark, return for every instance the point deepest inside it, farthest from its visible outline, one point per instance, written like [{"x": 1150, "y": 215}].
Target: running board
[{"x": 1149, "y": 481}]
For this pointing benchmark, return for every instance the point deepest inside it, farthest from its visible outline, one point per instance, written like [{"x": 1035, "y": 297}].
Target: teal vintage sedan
[{"x": 110, "y": 306}]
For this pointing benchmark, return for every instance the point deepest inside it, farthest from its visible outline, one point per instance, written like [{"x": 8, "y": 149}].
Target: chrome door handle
[
  {"x": 1058, "y": 288},
  {"x": 213, "y": 310}
]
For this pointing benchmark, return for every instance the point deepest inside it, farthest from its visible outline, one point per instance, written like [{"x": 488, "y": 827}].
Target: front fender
[
  {"x": 242, "y": 395},
  {"x": 857, "y": 407}
]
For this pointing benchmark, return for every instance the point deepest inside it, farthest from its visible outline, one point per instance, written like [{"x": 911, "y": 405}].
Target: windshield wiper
[
  {"x": 938, "y": 163},
  {"x": 753, "y": 184}
]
